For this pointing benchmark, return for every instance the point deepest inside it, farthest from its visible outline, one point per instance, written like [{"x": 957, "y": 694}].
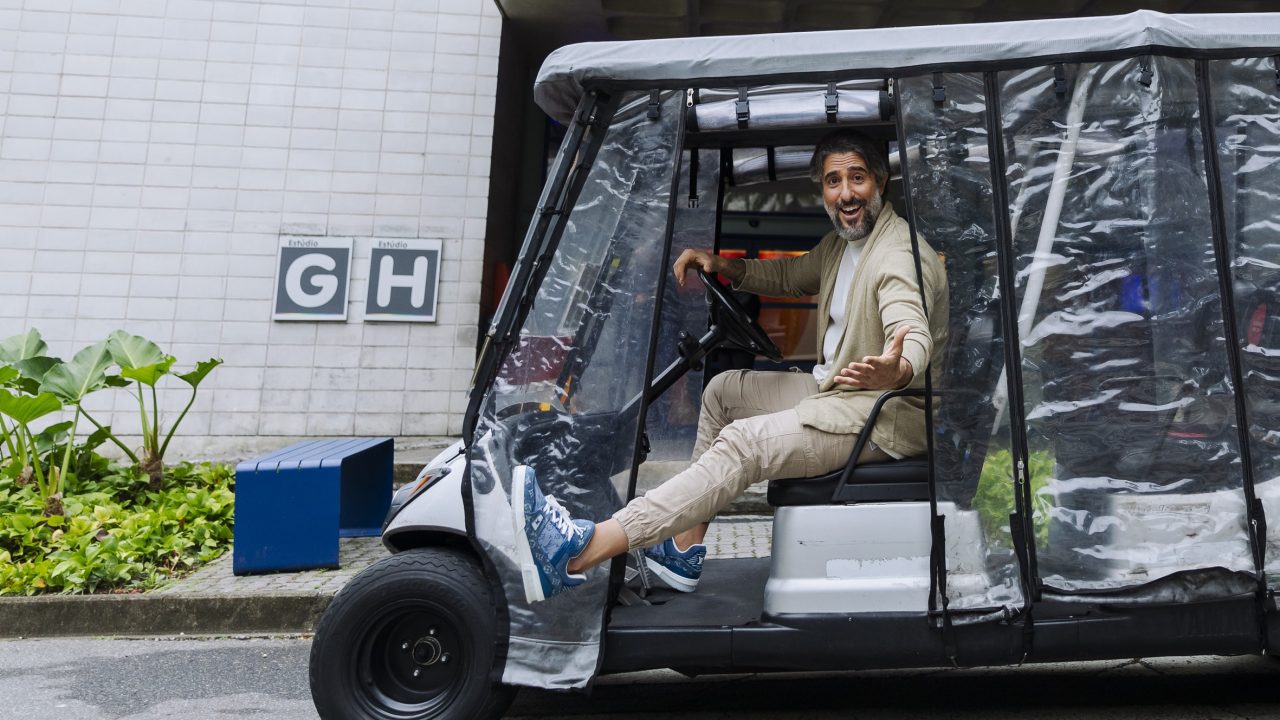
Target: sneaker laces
[{"x": 560, "y": 516}]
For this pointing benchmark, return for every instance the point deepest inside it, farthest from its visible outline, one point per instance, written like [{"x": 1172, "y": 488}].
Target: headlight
[{"x": 428, "y": 477}]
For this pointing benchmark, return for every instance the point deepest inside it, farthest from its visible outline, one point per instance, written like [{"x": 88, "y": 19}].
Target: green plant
[
  {"x": 994, "y": 498},
  {"x": 35, "y": 385},
  {"x": 31, "y": 382},
  {"x": 118, "y": 533},
  {"x": 16, "y": 353},
  {"x": 144, "y": 363},
  {"x": 72, "y": 521},
  {"x": 70, "y": 382},
  {"x": 24, "y": 446}
]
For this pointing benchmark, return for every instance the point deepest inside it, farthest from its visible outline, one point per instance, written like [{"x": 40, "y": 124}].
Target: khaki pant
[{"x": 748, "y": 432}]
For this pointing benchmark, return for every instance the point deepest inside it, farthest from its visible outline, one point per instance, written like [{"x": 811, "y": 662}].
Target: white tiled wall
[{"x": 153, "y": 151}]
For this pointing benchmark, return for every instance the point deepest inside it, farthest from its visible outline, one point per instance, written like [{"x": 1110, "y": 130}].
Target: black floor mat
[{"x": 730, "y": 593}]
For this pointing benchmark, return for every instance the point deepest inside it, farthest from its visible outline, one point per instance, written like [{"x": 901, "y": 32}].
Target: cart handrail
[{"x": 864, "y": 436}]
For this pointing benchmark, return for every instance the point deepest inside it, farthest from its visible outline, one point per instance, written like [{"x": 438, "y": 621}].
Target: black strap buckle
[
  {"x": 1144, "y": 73},
  {"x": 693, "y": 176},
  {"x": 832, "y": 102},
  {"x": 655, "y": 108},
  {"x": 1060, "y": 79},
  {"x": 939, "y": 90},
  {"x": 586, "y": 114},
  {"x": 743, "y": 109}
]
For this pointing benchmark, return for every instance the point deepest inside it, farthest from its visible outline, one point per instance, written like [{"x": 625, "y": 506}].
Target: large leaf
[
  {"x": 22, "y": 346},
  {"x": 51, "y": 437},
  {"x": 32, "y": 371},
  {"x": 8, "y": 374},
  {"x": 27, "y": 385},
  {"x": 86, "y": 372},
  {"x": 149, "y": 374},
  {"x": 96, "y": 438},
  {"x": 28, "y": 408},
  {"x": 139, "y": 358},
  {"x": 133, "y": 351},
  {"x": 35, "y": 368},
  {"x": 199, "y": 372}
]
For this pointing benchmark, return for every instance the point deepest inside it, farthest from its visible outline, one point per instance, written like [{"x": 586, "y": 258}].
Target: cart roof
[{"x": 731, "y": 59}]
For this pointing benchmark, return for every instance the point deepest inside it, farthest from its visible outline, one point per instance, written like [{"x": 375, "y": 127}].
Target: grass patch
[{"x": 120, "y": 530}]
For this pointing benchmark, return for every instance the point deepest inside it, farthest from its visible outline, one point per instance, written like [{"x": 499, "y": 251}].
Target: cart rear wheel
[{"x": 412, "y": 637}]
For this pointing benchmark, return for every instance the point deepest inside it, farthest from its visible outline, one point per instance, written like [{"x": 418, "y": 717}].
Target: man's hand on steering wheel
[
  {"x": 748, "y": 331},
  {"x": 691, "y": 259},
  {"x": 889, "y": 371}
]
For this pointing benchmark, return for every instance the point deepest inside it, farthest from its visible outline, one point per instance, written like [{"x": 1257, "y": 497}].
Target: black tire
[{"x": 427, "y": 611}]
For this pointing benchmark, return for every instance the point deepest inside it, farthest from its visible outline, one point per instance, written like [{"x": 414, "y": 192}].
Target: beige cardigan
[{"x": 884, "y": 295}]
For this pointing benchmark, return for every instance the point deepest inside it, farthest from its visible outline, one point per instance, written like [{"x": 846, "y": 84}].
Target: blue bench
[{"x": 293, "y": 504}]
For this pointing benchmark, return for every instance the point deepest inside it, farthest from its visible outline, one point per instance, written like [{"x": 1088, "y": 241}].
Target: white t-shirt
[{"x": 839, "y": 308}]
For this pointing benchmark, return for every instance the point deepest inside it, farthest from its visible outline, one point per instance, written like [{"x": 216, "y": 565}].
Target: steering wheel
[{"x": 749, "y": 332}]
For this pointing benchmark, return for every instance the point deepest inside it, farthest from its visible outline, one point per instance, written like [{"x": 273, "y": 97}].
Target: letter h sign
[{"x": 404, "y": 280}]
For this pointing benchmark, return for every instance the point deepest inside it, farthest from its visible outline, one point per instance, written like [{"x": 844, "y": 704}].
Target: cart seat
[{"x": 894, "y": 481}]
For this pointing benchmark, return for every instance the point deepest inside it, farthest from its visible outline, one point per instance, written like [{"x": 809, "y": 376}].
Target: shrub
[
  {"x": 70, "y": 521},
  {"x": 119, "y": 532},
  {"x": 34, "y": 385},
  {"x": 994, "y": 498}
]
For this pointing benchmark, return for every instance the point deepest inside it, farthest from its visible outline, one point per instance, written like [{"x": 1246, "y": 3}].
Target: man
[{"x": 757, "y": 426}]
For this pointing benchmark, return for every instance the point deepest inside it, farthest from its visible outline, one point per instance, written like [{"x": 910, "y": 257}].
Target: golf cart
[{"x": 1102, "y": 431}]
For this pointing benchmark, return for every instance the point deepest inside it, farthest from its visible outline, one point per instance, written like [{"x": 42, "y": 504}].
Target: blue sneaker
[
  {"x": 546, "y": 538},
  {"x": 679, "y": 569}
]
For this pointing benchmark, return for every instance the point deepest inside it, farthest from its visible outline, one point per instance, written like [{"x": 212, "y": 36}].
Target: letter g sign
[
  {"x": 312, "y": 276},
  {"x": 326, "y": 285}
]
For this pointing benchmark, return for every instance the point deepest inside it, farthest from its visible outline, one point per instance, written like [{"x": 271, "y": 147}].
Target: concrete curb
[{"x": 160, "y": 614}]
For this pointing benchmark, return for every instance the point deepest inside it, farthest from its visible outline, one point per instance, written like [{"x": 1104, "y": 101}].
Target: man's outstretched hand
[{"x": 889, "y": 371}]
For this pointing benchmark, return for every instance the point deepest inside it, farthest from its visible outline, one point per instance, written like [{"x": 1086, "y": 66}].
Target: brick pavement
[
  {"x": 740, "y": 536},
  {"x": 215, "y": 578}
]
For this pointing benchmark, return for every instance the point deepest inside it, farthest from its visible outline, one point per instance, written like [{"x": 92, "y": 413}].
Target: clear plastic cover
[
  {"x": 1134, "y": 453},
  {"x": 758, "y": 165},
  {"x": 672, "y": 419},
  {"x": 566, "y": 401},
  {"x": 1246, "y": 114},
  {"x": 950, "y": 177}
]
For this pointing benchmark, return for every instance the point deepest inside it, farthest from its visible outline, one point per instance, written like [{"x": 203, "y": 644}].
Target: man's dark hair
[{"x": 847, "y": 141}]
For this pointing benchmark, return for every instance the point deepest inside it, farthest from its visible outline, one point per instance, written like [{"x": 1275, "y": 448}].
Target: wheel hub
[
  {"x": 427, "y": 651},
  {"x": 412, "y": 661}
]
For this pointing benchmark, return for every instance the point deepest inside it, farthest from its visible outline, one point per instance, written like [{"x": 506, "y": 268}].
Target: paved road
[{"x": 90, "y": 679}]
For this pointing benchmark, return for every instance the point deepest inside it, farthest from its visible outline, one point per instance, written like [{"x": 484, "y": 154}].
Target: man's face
[{"x": 851, "y": 195}]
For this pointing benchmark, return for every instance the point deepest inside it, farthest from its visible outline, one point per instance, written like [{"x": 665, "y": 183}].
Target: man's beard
[{"x": 862, "y": 228}]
